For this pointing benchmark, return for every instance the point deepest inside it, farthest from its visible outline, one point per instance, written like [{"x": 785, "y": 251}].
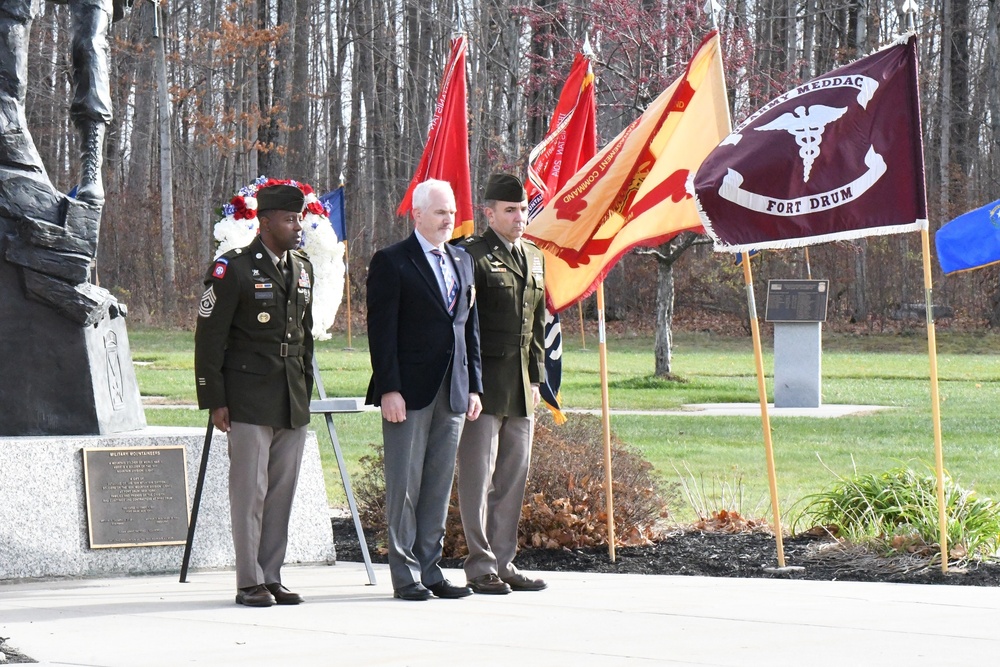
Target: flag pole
[
  {"x": 764, "y": 418},
  {"x": 935, "y": 399},
  {"x": 347, "y": 269},
  {"x": 583, "y": 334},
  {"x": 606, "y": 422},
  {"x": 347, "y": 293}
]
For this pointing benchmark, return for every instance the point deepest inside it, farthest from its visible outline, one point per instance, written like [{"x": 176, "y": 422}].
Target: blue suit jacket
[{"x": 411, "y": 337}]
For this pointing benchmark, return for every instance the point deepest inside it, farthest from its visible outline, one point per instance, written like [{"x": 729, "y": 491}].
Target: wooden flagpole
[
  {"x": 347, "y": 293},
  {"x": 935, "y": 399},
  {"x": 583, "y": 334},
  {"x": 606, "y": 422},
  {"x": 764, "y": 418}
]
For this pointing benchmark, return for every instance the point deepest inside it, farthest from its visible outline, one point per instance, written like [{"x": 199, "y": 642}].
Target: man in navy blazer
[{"x": 423, "y": 336}]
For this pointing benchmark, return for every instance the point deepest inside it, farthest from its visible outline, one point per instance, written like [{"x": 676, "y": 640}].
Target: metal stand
[
  {"x": 197, "y": 498},
  {"x": 326, "y": 407}
]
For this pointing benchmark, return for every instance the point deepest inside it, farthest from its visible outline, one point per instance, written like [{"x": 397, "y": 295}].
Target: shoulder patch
[{"x": 219, "y": 270}]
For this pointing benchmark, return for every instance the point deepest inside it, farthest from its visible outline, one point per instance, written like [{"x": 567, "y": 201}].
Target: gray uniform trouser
[
  {"x": 493, "y": 459},
  {"x": 419, "y": 471},
  {"x": 264, "y": 465}
]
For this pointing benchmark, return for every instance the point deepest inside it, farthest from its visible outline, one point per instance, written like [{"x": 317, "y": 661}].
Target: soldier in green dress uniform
[
  {"x": 495, "y": 450},
  {"x": 253, "y": 362}
]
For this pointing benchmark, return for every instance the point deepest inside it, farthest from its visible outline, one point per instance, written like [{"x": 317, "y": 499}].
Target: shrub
[
  {"x": 897, "y": 511},
  {"x": 564, "y": 503},
  {"x": 565, "y": 500}
]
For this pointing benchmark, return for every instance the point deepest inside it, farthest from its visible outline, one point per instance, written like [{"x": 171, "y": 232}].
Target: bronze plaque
[
  {"x": 796, "y": 300},
  {"x": 136, "y": 497}
]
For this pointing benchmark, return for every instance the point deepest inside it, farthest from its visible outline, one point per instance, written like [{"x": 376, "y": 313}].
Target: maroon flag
[{"x": 838, "y": 157}]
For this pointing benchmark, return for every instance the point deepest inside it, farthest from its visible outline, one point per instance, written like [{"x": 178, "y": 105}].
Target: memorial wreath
[{"x": 239, "y": 226}]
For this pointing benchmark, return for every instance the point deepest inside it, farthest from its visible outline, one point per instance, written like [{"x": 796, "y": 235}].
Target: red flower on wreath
[{"x": 241, "y": 212}]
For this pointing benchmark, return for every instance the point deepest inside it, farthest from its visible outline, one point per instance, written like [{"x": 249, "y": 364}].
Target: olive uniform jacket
[
  {"x": 253, "y": 346},
  {"x": 511, "y": 323}
]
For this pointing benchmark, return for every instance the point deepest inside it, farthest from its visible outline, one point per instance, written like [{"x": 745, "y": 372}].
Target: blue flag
[
  {"x": 739, "y": 257},
  {"x": 970, "y": 241},
  {"x": 333, "y": 202}
]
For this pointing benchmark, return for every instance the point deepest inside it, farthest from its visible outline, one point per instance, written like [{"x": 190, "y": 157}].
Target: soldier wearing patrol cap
[
  {"x": 253, "y": 362},
  {"x": 495, "y": 450}
]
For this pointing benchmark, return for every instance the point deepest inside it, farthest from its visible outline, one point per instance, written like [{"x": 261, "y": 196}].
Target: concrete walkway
[
  {"x": 582, "y": 619},
  {"x": 749, "y": 410}
]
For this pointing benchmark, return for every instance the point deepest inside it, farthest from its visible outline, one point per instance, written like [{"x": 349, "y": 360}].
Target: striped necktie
[{"x": 450, "y": 284}]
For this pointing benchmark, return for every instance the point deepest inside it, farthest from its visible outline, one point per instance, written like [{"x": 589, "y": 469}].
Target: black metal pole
[{"x": 197, "y": 498}]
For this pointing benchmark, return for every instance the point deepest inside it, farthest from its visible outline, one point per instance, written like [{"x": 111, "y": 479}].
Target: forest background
[{"x": 209, "y": 94}]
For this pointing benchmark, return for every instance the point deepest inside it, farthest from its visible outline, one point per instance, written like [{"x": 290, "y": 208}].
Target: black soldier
[{"x": 253, "y": 362}]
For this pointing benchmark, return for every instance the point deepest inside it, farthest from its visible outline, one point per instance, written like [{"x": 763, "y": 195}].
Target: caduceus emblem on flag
[{"x": 807, "y": 126}]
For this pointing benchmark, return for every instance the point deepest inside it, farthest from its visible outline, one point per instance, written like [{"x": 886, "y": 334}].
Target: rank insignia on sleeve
[
  {"x": 219, "y": 271},
  {"x": 208, "y": 301}
]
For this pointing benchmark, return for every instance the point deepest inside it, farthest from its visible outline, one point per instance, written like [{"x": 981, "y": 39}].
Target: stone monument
[
  {"x": 65, "y": 363},
  {"x": 798, "y": 309},
  {"x": 66, "y": 376}
]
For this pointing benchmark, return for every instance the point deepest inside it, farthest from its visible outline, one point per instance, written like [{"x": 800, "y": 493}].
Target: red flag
[
  {"x": 446, "y": 153},
  {"x": 571, "y": 140},
  {"x": 632, "y": 192},
  {"x": 838, "y": 157}
]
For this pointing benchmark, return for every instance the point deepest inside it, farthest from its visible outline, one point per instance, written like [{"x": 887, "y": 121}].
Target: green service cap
[
  {"x": 280, "y": 198},
  {"x": 504, "y": 187}
]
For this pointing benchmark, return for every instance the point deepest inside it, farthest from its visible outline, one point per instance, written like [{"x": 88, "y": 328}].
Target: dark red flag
[
  {"x": 446, "y": 154},
  {"x": 571, "y": 139},
  {"x": 838, "y": 157}
]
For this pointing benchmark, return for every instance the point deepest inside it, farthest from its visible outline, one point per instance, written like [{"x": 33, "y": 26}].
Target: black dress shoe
[
  {"x": 488, "y": 584},
  {"x": 520, "y": 582},
  {"x": 446, "y": 589},
  {"x": 254, "y": 596},
  {"x": 414, "y": 591},
  {"x": 282, "y": 595}
]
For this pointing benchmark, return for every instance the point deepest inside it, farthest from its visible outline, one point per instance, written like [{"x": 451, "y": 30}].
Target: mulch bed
[{"x": 716, "y": 554}]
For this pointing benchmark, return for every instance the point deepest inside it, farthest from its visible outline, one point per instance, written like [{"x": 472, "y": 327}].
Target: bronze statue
[{"x": 55, "y": 326}]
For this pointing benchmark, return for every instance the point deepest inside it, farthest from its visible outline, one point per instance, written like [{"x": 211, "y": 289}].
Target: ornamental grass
[{"x": 896, "y": 512}]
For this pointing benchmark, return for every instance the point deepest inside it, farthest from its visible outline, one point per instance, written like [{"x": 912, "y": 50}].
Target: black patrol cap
[
  {"x": 281, "y": 198},
  {"x": 504, "y": 187}
]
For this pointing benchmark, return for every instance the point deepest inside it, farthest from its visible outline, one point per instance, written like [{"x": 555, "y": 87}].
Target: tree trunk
[
  {"x": 944, "y": 153},
  {"x": 166, "y": 172},
  {"x": 664, "y": 318},
  {"x": 300, "y": 159},
  {"x": 859, "y": 305}
]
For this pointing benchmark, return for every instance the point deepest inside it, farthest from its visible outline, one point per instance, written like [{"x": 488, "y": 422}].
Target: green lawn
[{"x": 710, "y": 452}]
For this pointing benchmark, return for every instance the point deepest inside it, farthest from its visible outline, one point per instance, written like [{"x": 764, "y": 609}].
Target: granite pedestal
[
  {"x": 798, "y": 350},
  {"x": 43, "y": 517}
]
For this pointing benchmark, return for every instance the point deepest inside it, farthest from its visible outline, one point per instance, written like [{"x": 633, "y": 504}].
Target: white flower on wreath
[{"x": 238, "y": 228}]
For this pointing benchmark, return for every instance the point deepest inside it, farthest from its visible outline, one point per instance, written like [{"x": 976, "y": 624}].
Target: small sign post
[{"x": 798, "y": 310}]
